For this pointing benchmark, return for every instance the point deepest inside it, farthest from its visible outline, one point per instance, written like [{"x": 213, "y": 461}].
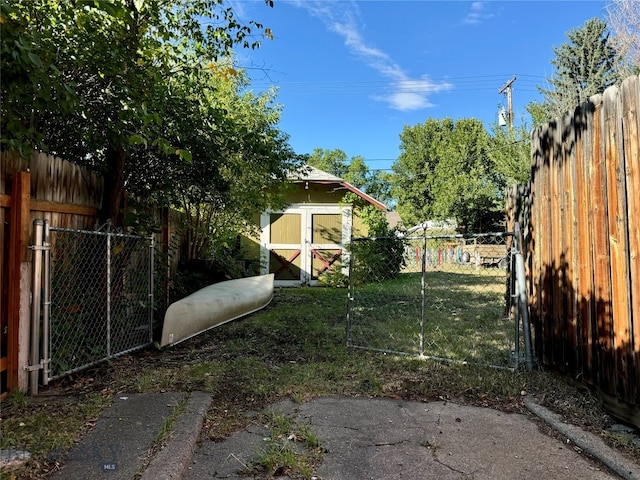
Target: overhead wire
[
  {"x": 526, "y": 82},
  {"x": 470, "y": 158}
]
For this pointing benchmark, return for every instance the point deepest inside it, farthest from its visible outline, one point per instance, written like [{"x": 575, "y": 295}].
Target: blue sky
[{"x": 351, "y": 74}]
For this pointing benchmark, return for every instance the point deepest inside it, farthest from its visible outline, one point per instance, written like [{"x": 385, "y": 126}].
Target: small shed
[{"x": 299, "y": 243}]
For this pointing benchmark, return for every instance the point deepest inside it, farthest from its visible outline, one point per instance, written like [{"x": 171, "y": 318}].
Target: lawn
[
  {"x": 462, "y": 316},
  {"x": 295, "y": 348}
]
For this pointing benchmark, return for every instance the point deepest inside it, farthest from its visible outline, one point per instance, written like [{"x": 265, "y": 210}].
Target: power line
[
  {"x": 470, "y": 158},
  {"x": 434, "y": 85}
]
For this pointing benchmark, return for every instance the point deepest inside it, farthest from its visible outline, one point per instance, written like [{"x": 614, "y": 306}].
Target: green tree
[
  {"x": 330, "y": 161},
  {"x": 584, "y": 67},
  {"x": 111, "y": 61},
  {"x": 444, "y": 172},
  {"x": 510, "y": 152},
  {"x": 234, "y": 141},
  {"x": 355, "y": 171}
]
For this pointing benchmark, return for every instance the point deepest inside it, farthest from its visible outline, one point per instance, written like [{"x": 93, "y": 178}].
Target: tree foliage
[
  {"x": 510, "y": 152},
  {"x": 147, "y": 92},
  {"x": 585, "y": 66},
  {"x": 97, "y": 82},
  {"x": 354, "y": 171},
  {"x": 444, "y": 172}
]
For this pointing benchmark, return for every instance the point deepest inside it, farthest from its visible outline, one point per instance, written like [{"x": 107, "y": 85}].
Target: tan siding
[
  {"x": 286, "y": 228},
  {"x": 359, "y": 228},
  {"x": 316, "y": 194},
  {"x": 327, "y": 228}
]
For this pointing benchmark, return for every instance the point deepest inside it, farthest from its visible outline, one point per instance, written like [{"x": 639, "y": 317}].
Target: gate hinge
[
  {"x": 39, "y": 247},
  {"x": 33, "y": 368}
]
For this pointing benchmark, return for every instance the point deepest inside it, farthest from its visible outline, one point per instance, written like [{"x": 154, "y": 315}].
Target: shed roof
[{"x": 307, "y": 173}]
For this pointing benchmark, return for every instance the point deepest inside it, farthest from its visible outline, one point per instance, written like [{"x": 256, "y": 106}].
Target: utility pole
[{"x": 507, "y": 88}]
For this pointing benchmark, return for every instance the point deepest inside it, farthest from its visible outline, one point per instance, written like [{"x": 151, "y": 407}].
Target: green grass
[
  {"x": 295, "y": 348},
  {"x": 292, "y": 450},
  {"x": 464, "y": 316}
]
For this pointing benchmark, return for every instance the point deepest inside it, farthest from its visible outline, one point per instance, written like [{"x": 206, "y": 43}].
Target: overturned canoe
[{"x": 214, "y": 305}]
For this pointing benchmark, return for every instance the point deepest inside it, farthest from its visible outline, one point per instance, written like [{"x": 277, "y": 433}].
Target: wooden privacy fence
[
  {"x": 40, "y": 187},
  {"x": 584, "y": 246},
  {"x": 68, "y": 196}
]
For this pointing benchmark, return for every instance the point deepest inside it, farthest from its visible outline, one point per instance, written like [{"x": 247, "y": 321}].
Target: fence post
[
  {"x": 151, "y": 284},
  {"x": 20, "y": 207},
  {"x": 521, "y": 293},
  {"x": 423, "y": 290},
  {"x": 108, "y": 288},
  {"x": 46, "y": 304},
  {"x": 36, "y": 285}
]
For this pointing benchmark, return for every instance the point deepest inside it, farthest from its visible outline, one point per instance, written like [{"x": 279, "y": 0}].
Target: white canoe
[{"x": 214, "y": 305}]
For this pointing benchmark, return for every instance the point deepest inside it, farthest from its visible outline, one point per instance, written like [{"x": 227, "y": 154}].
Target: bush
[
  {"x": 377, "y": 259},
  {"x": 381, "y": 256},
  {"x": 333, "y": 278}
]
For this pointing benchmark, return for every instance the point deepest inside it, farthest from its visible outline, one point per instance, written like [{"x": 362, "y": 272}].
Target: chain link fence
[
  {"x": 101, "y": 297},
  {"x": 446, "y": 297}
]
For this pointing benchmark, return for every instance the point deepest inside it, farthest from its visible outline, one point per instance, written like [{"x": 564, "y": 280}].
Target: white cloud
[
  {"x": 405, "y": 93},
  {"x": 476, "y": 15}
]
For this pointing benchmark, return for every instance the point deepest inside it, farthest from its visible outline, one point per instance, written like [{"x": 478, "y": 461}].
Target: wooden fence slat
[
  {"x": 546, "y": 291},
  {"x": 584, "y": 228},
  {"x": 617, "y": 210},
  {"x": 534, "y": 244},
  {"x": 602, "y": 259},
  {"x": 556, "y": 260},
  {"x": 569, "y": 242},
  {"x": 631, "y": 128}
]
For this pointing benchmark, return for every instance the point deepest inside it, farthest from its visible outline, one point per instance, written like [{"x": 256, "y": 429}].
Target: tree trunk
[{"x": 113, "y": 203}]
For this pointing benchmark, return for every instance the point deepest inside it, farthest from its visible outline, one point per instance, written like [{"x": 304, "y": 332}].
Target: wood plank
[
  {"x": 557, "y": 257},
  {"x": 569, "y": 245},
  {"x": 546, "y": 259},
  {"x": 48, "y": 206},
  {"x": 630, "y": 92},
  {"x": 546, "y": 283},
  {"x": 584, "y": 227},
  {"x": 618, "y": 245},
  {"x": 4, "y": 283},
  {"x": 534, "y": 245},
  {"x": 18, "y": 247},
  {"x": 54, "y": 207},
  {"x": 601, "y": 256}
]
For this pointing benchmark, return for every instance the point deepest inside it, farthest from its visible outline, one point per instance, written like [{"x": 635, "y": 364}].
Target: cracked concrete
[{"x": 376, "y": 439}]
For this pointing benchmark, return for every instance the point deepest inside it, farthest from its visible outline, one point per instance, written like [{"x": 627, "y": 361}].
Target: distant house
[{"x": 309, "y": 237}]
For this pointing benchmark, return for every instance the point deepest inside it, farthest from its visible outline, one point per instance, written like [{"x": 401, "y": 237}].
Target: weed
[
  {"x": 295, "y": 348},
  {"x": 292, "y": 450},
  {"x": 17, "y": 399}
]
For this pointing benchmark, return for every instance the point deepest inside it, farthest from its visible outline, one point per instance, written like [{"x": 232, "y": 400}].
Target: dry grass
[{"x": 295, "y": 348}]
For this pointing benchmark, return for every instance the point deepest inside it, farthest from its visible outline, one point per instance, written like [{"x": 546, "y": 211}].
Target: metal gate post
[
  {"x": 46, "y": 305},
  {"x": 36, "y": 289},
  {"x": 108, "y": 306},
  {"x": 350, "y": 293},
  {"x": 151, "y": 271},
  {"x": 423, "y": 290}
]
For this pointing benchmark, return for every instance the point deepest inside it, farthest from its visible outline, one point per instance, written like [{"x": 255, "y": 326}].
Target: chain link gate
[
  {"x": 97, "y": 297},
  {"x": 446, "y": 297}
]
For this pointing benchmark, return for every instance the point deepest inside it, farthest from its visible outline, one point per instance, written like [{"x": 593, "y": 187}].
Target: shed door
[
  {"x": 325, "y": 245},
  {"x": 285, "y": 246},
  {"x": 300, "y": 244}
]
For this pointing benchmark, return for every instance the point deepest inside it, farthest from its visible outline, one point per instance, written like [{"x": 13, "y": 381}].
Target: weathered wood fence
[
  {"x": 68, "y": 196},
  {"x": 584, "y": 245},
  {"x": 40, "y": 187}
]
